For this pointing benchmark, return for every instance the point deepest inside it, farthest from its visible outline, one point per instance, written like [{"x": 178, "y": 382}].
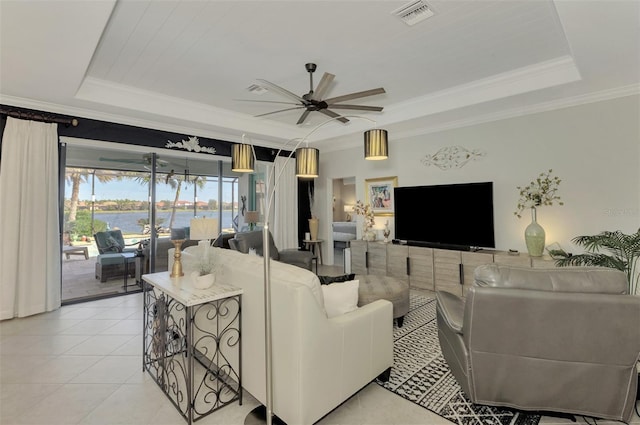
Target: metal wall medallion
[
  {"x": 452, "y": 157},
  {"x": 192, "y": 145}
]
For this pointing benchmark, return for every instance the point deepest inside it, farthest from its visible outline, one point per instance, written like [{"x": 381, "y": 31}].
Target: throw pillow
[
  {"x": 340, "y": 298},
  {"x": 326, "y": 280},
  {"x": 113, "y": 244}
]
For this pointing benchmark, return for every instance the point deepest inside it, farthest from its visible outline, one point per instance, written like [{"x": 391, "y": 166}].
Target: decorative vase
[
  {"x": 534, "y": 236},
  {"x": 313, "y": 228},
  {"x": 386, "y": 232},
  {"x": 369, "y": 235},
  {"x": 202, "y": 282}
]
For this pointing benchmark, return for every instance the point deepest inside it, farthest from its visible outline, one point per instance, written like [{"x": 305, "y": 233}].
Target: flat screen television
[{"x": 454, "y": 216}]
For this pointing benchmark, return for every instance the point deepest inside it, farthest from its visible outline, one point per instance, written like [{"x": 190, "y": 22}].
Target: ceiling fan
[
  {"x": 314, "y": 102},
  {"x": 145, "y": 160}
]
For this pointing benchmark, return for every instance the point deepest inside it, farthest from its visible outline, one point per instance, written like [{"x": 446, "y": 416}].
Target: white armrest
[{"x": 350, "y": 350}]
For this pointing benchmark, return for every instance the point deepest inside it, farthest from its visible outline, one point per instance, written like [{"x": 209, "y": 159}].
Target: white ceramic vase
[{"x": 204, "y": 281}]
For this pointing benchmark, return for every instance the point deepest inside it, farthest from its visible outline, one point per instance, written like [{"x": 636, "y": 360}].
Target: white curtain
[
  {"x": 29, "y": 235},
  {"x": 285, "y": 217}
]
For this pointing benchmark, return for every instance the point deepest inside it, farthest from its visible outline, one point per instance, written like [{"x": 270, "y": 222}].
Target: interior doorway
[{"x": 343, "y": 226}]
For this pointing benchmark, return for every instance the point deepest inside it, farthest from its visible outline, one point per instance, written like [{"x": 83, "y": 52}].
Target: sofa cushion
[
  {"x": 340, "y": 297},
  {"x": 326, "y": 280}
]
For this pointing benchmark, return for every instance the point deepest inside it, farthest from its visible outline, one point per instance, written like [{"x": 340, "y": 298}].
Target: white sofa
[{"x": 317, "y": 362}]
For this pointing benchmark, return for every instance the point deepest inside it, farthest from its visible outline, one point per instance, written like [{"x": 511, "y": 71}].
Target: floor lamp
[{"x": 307, "y": 164}]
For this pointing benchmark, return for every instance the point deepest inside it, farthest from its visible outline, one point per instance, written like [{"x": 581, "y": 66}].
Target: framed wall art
[{"x": 379, "y": 195}]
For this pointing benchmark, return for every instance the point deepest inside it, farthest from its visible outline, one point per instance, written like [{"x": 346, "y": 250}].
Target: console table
[
  {"x": 431, "y": 268},
  {"x": 191, "y": 343}
]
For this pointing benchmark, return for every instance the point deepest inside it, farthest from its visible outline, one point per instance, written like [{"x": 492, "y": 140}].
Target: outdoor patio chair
[{"x": 112, "y": 241}]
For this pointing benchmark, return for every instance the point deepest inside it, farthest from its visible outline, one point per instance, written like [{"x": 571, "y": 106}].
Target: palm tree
[
  {"x": 624, "y": 254},
  {"x": 77, "y": 176},
  {"x": 175, "y": 181}
]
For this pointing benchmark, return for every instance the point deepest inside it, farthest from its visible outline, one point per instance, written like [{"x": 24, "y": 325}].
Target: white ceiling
[{"x": 182, "y": 65}]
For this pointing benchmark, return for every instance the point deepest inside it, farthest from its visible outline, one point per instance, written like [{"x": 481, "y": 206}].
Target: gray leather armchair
[
  {"x": 243, "y": 241},
  {"x": 557, "y": 340}
]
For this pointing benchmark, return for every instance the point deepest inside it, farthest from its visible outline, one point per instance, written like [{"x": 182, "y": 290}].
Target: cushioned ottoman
[
  {"x": 375, "y": 287},
  {"x": 111, "y": 266}
]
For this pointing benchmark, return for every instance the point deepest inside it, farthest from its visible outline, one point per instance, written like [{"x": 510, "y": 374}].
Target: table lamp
[
  {"x": 203, "y": 230},
  {"x": 252, "y": 218},
  {"x": 178, "y": 236},
  {"x": 348, "y": 209}
]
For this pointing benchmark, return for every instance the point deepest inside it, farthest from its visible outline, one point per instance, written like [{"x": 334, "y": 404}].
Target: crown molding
[
  {"x": 600, "y": 96},
  {"x": 595, "y": 97},
  {"x": 133, "y": 121},
  {"x": 117, "y": 95}
]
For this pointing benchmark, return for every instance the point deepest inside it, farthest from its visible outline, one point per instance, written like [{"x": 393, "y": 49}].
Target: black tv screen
[{"x": 457, "y": 216}]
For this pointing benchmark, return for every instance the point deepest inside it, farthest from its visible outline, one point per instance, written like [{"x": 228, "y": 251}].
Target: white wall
[{"x": 594, "y": 148}]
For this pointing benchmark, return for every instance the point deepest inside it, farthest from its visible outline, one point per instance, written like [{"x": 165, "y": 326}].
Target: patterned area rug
[{"x": 421, "y": 374}]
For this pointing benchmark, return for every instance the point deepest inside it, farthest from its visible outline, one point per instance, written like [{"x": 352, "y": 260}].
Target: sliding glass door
[{"x": 108, "y": 192}]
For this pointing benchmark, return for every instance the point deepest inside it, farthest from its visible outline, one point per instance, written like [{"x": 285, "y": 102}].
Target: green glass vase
[{"x": 534, "y": 236}]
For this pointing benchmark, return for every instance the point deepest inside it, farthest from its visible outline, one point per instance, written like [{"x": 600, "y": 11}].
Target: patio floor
[{"x": 79, "y": 282}]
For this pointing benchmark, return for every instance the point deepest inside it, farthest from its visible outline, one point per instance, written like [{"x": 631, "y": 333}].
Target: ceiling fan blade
[
  {"x": 281, "y": 110},
  {"x": 358, "y": 107},
  {"x": 334, "y": 115},
  {"x": 265, "y": 101},
  {"x": 303, "y": 117},
  {"x": 323, "y": 85},
  {"x": 357, "y": 95},
  {"x": 283, "y": 91}
]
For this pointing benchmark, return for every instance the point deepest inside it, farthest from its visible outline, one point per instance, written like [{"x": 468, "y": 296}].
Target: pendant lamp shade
[
  {"x": 242, "y": 158},
  {"x": 376, "y": 144},
  {"x": 307, "y": 162}
]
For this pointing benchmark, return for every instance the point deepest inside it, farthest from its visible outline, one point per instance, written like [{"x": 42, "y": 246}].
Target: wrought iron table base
[{"x": 195, "y": 373}]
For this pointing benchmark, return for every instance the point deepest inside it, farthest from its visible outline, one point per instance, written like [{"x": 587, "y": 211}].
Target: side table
[
  {"x": 130, "y": 258},
  {"x": 191, "y": 343},
  {"x": 315, "y": 246}
]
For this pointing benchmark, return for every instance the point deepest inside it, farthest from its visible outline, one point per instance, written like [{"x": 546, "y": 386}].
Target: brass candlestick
[{"x": 176, "y": 270}]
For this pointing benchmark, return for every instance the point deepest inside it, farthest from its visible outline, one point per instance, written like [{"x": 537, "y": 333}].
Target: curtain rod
[{"x": 38, "y": 116}]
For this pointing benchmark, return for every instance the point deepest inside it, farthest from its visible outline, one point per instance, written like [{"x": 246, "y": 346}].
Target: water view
[{"x": 128, "y": 221}]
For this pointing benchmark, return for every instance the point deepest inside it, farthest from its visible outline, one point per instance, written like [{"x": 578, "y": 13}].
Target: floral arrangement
[
  {"x": 208, "y": 262},
  {"x": 365, "y": 210},
  {"x": 541, "y": 191}
]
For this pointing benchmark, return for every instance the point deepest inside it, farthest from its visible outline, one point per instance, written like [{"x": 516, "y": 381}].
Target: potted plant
[{"x": 624, "y": 254}]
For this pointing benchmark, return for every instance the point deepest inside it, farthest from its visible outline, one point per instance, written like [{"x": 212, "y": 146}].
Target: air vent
[
  {"x": 413, "y": 12},
  {"x": 256, "y": 89}
]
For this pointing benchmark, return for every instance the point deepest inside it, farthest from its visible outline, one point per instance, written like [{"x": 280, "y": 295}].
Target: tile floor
[{"x": 82, "y": 364}]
